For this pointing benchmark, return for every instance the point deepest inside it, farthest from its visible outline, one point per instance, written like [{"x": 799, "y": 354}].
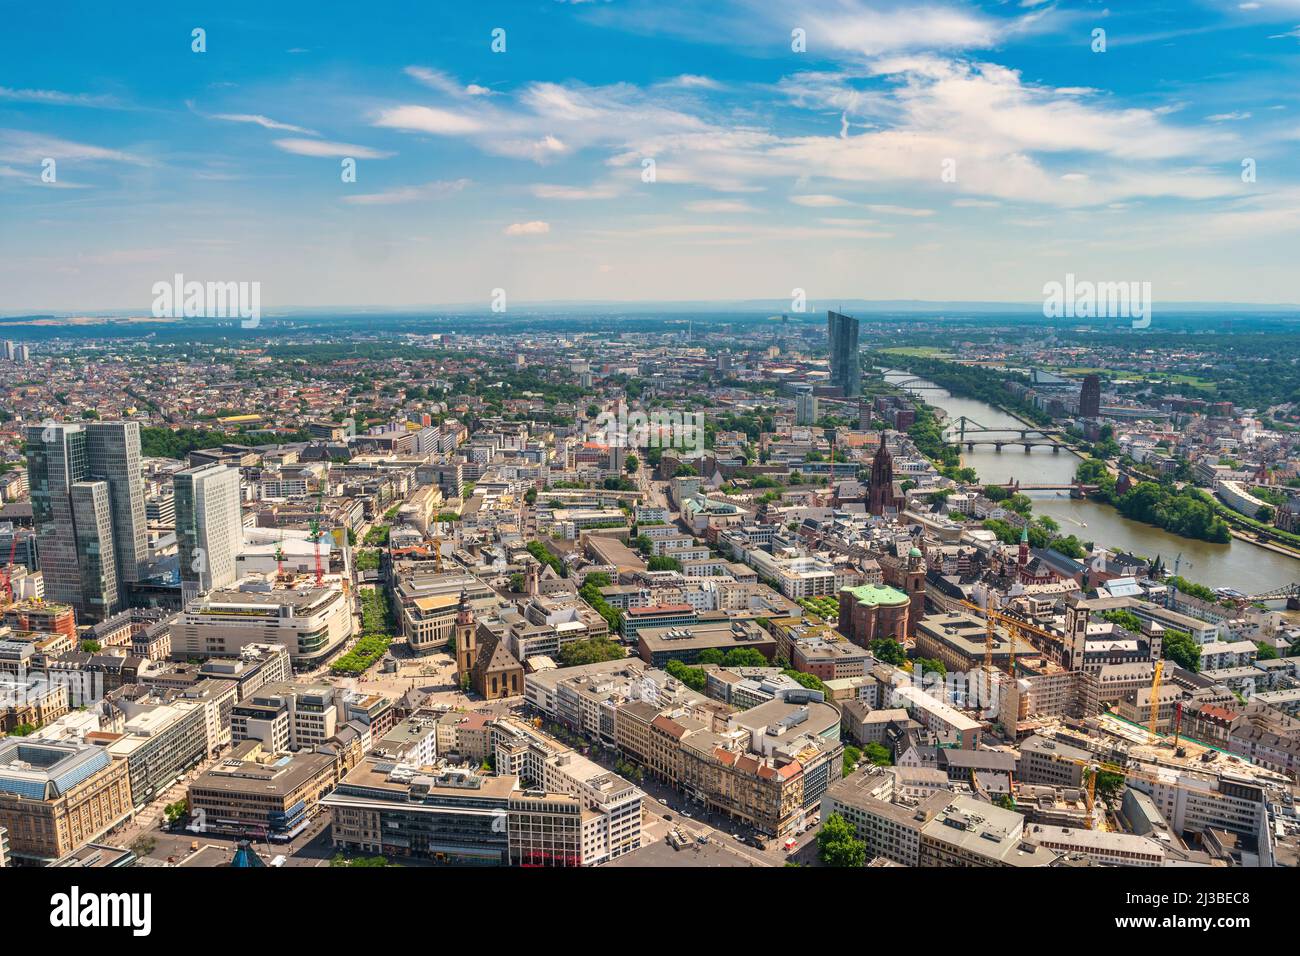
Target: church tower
[
  {"x": 466, "y": 639},
  {"x": 1077, "y": 612},
  {"x": 881, "y": 492}
]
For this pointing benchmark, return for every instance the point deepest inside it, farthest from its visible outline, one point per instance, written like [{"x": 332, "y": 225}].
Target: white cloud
[
  {"x": 58, "y": 98},
  {"x": 426, "y": 119},
  {"x": 719, "y": 206},
  {"x": 861, "y": 28},
  {"x": 324, "y": 148},
  {"x": 263, "y": 121},
  {"x": 20, "y": 146},
  {"x": 439, "y": 189},
  {"x": 888, "y": 210},
  {"x": 693, "y": 81},
  {"x": 534, "y": 228},
  {"x": 445, "y": 83},
  {"x": 818, "y": 200},
  {"x": 551, "y": 191}
]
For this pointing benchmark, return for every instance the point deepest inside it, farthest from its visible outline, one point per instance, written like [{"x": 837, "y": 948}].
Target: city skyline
[{"x": 960, "y": 151}]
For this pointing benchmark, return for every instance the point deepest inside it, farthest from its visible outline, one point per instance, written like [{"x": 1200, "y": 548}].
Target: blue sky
[{"x": 822, "y": 170}]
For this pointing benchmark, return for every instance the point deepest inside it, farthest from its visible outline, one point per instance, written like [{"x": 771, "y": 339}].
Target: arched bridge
[{"x": 969, "y": 433}]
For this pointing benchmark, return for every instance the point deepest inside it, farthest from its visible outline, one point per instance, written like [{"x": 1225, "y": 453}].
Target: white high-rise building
[{"x": 209, "y": 531}]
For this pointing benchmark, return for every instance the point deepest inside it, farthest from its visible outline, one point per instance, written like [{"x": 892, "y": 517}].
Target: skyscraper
[
  {"x": 114, "y": 456},
  {"x": 92, "y": 517},
  {"x": 846, "y": 372},
  {"x": 1090, "y": 397},
  {"x": 805, "y": 405},
  {"x": 88, "y": 511},
  {"x": 209, "y": 531}
]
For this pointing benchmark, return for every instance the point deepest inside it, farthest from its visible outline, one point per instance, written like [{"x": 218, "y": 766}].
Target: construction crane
[
  {"x": 1155, "y": 702},
  {"x": 1092, "y": 795},
  {"x": 988, "y": 652},
  {"x": 315, "y": 533},
  {"x": 1178, "y": 721},
  {"x": 7, "y": 572},
  {"x": 1014, "y": 625}
]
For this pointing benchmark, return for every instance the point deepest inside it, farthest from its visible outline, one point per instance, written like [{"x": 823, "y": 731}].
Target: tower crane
[
  {"x": 315, "y": 533},
  {"x": 7, "y": 573},
  {"x": 1155, "y": 703}
]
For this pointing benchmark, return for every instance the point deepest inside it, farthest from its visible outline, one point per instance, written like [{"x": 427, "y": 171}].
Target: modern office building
[
  {"x": 88, "y": 511},
  {"x": 455, "y": 816},
  {"x": 114, "y": 457},
  {"x": 208, "y": 527},
  {"x": 846, "y": 372},
  {"x": 310, "y": 622},
  {"x": 253, "y": 791},
  {"x": 805, "y": 405},
  {"x": 1090, "y": 397}
]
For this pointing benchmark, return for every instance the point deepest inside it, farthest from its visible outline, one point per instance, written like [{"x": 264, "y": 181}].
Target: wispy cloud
[
  {"x": 439, "y": 189},
  {"x": 575, "y": 193},
  {"x": 59, "y": 98},
  {"x": 325, "y": 149},
  {"x": 534, "y": 228},
  {"x": 444, "y": 83},
  {"x": 263, "y": 121},
  {"x": 27, "y": 147}
]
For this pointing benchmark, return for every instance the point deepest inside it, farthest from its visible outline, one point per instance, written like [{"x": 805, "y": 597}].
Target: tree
[
  {"x": 632, "y": 464},
  {"x": 851, "y": 757},
  {"x": 1108, "y": 783},
  {"x": 744, "y": 657},
  {"x": 175, "y": 812},
  {"x": 591, "y": 651},
  {"x": 692, "y": 677},
  {"x": 1181, "y": 648},
  {"x": 931, "y": 665},
  {"x": 879, "y": 755},
  {"x": 838, "y": 843},
  {"x": 1125, "y": 619},
  {"x": 889, "y": 651},
  {"x": 1267, "y": 652}
]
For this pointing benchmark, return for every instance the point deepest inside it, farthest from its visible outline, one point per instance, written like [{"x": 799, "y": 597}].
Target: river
[{"x": 1237, "y": 564}]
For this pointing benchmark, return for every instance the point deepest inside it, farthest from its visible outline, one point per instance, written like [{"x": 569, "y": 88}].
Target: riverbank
[
  {"x": 1266, "y": 545},
  {"x": 1231, "y": 564}
]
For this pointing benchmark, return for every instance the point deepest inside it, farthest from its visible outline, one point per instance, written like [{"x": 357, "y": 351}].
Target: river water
[{"x": 1237, "y": 564}]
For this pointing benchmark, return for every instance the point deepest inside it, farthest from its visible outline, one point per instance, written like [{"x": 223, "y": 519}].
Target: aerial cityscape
[{"x": 605, "y": 435}]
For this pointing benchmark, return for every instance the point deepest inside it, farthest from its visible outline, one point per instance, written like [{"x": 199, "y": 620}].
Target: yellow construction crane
[
  {"x": 1092, "y": 794},
  {"x": 1015, "y": 628},
  {"x": 1155, "y": 701}
]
